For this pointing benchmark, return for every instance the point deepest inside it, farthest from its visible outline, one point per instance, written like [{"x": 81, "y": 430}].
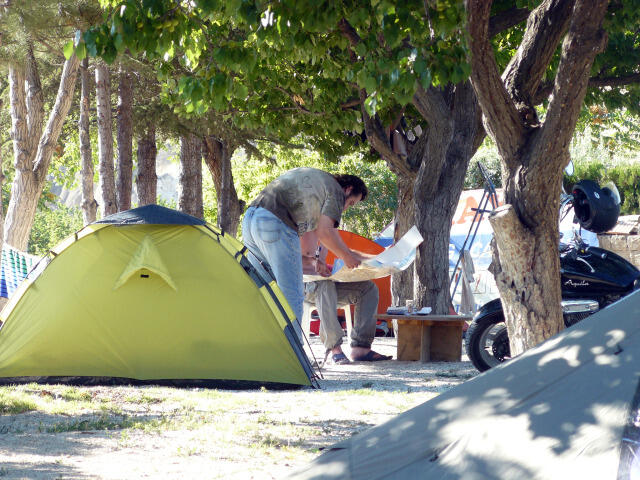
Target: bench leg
[
  {"x": 425, "y": 344},
  {"x": 446, "y": 344},
  {"x": 409, "y": 339}
]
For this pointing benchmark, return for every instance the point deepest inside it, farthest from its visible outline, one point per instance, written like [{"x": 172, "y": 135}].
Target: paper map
[{"x": 394, "y": 259}]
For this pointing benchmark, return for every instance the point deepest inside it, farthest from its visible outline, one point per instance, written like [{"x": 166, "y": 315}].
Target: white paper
[{"x": 394, "y": 259}]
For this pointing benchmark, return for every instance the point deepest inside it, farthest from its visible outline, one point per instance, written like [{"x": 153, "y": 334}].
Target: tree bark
[
  {"x": 2, "y": 179},
  {"x": 34, "y": 102},
  {"x": 125, "y": 139},
  {"x": 526, "y": 264},
  {"x": 448, "y": 146},
  {"x": 190, "y": 186},
  {"x": 147, "y": 179},
  {"x": 31, "y": 167},
  {"x": 105, "y": 141},
  {"x": 402, "y": 282},
  {"x": 217, "y": 157},
  {"x": 89, "y": 204},
  {"x": 435, "y": 167},
  {"x": 431, "y": 179}
]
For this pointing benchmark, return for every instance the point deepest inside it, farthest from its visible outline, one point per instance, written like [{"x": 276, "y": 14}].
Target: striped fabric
[{"x": 14, "y": 267}]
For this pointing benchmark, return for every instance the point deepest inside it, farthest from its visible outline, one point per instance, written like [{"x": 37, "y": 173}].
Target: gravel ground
[{"x": 160, "y": 433}]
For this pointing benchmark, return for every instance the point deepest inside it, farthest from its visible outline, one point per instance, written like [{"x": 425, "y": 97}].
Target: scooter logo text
[{"x": 582, "y": 283}]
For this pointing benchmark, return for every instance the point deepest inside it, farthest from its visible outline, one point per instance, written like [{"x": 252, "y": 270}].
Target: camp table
[{"x": 429, "y": 338}]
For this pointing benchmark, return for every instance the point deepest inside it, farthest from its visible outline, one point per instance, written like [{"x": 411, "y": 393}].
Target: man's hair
[{"x": 356, "y": 183}]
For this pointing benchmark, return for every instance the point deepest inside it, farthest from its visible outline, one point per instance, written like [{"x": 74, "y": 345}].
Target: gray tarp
[{"x": 557, "y": 412}]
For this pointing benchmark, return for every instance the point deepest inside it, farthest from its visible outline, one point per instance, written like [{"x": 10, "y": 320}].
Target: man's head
[{"x": 354, "y": 188}]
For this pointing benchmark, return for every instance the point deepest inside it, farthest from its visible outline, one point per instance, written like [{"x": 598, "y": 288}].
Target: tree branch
[
  {"x": 507, "y": 19},
  {"x": 19, "y": 130},
  {"x": 57, "y": 116},
  {"x": 546, "y": 26},
  {"x": 502, "y": 119},
  {"x": 583, "y": 42},
  {"x": 375, "y": 132},
  {"x": 54, "y": 51},
  {"x": 349, "y": 32},
  {"x": 545, "y": 89},
  {"x": 380, "y": 141},
  {"x": 430, "y": 104},
  {"x": 35, "y": 101},
  {"x": 351, "y": 103},
  {"x": 298, "y": 104}
]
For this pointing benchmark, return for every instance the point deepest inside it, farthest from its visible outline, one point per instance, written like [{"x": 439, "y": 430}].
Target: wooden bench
[{"x": 429, "y": 338}]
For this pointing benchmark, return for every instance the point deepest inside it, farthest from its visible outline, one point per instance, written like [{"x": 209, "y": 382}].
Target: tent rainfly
[
  {"x": 150, "y": 295},
  {"x": 569, "y": 408}
]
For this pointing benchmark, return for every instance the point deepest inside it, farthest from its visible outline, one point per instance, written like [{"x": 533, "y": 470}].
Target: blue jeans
[{"x": 277, "y": 247}]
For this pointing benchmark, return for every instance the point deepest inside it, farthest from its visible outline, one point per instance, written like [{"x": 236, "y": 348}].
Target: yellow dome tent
[{"x": 150, "y": 295}]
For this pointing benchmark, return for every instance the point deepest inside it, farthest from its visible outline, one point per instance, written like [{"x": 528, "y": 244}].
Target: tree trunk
[
  {"x": 190, "y": 187},
  {"x": 448, "y": 147},
  {"x": 34, "y": 102},
  {"x": 526, "y": 264},
  {"x": 147, "y": 179},
  {"x": 402, "y": 282},
  {"x": 125, "y": 139},
  {"x": 31, "y": 167},
  {"x": 2, "y": 179},
  {"x": 436, "y": 166},
  {"x": 105, "y": 141},
  {"x": 89, "y": 204},
  {"x": 526, "y": 269},
  {"x": 431, "y": 178},
  {"x": 218, "y": 159}
]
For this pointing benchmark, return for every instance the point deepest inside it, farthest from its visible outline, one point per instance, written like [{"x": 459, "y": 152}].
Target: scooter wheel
[{"x": 487, "y": 342}]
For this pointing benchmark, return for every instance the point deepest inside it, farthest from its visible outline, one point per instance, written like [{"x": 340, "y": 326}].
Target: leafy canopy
[{"x": 289, "y": 66}]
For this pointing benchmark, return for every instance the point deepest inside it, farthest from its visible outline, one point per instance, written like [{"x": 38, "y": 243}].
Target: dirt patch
[{"x": 161, "y": 432}]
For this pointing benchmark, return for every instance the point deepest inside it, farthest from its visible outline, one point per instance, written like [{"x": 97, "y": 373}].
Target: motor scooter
[{"x": 591, "y": 277}]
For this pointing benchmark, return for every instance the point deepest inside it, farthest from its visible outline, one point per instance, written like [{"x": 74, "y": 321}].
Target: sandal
[
  {"x": 340, "y": 359},
  {"x": 372, "y": 356}
]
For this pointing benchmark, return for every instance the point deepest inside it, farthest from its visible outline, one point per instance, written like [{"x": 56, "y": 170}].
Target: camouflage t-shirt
[{"x": 300, "y": 196}]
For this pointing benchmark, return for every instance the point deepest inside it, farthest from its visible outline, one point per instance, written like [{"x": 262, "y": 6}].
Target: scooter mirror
[{"x": 569, "y": 168}]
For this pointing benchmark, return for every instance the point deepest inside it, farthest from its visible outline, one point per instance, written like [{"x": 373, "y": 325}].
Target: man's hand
[
  {"x": 351, "y": 260},
  {"x": 323, "y": 269},
  {"x": 330, "y": 238}
]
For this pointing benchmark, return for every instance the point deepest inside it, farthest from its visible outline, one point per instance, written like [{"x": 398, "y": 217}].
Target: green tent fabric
[{"x": 151, "y": 302}]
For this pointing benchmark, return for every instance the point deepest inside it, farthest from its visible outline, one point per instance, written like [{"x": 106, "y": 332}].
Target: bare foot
[{"x": 359, "y": 352}]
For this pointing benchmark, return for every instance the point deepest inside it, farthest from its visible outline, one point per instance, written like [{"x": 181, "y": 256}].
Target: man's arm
[
  {"x": 329, "y": 236},
  {"x": 312, "y": 264},
  {"x": 309, "y": 244}
]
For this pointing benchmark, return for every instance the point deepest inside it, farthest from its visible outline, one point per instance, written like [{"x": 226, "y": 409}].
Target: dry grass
[{"x": 54, "y": 431}]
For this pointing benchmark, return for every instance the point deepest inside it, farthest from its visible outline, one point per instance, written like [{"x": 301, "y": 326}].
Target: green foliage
[
  {"x": 209, "y": 197},
  {"x": 51, "y": 225},
  {"x": 616, "y": 131},
  {"x": 288, "y": 67},
  {"x": 487, "y": 155},
  {"x": 594, "y": 158},
  {"x": 366, "y": 218},
  {"x": 66, "y": 162},
  {"x": 376, "y": 212},
  {"x": 164, "y": 202}
]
